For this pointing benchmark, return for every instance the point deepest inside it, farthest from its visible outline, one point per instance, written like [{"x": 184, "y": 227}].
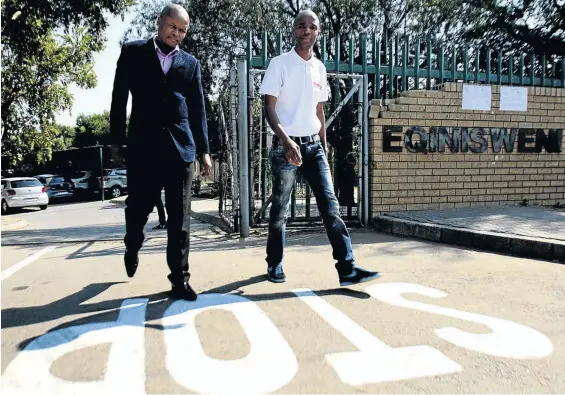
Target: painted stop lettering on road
[{"x": 375, "y": 362}]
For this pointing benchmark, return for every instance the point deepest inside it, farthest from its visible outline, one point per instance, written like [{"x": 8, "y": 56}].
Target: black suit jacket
[{"x": 168, "y": 111}]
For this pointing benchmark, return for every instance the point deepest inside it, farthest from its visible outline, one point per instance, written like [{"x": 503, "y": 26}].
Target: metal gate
[{"x": 347, "y": 135}]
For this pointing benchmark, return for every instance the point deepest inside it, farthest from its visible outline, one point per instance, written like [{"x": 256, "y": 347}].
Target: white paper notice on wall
[
  {"x": 476, "y": 97},
  {"x": 513, "y": 98}
]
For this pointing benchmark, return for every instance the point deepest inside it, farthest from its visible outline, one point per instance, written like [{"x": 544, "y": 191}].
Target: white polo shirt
[{"x": 299, "y": 85}]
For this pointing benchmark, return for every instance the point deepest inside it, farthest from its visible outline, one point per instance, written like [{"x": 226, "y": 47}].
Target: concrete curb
[
  {"x": 207, "y": 218},
  {"x": 521, "y": 246},
  {"x": 212, "y": 220},
  {"x": 120, "y": 200}
]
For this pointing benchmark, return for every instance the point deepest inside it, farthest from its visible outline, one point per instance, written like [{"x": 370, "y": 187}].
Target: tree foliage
[
  {"x": 32, "y": 148},
  {"x": 46, "y": 46},
  {"x": 92, "y": 130},
  {"x": 524, "y": 25}
]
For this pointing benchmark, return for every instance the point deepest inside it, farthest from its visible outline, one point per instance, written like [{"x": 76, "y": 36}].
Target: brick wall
[{"x": 436, "y": 180}]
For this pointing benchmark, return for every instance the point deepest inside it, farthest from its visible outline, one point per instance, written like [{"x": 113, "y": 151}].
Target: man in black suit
[{"x": 167, "y": 132}]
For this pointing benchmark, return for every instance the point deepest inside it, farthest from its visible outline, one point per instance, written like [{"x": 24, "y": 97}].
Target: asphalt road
[
  {"x": 440, "y": 320},
  {"x": 75, "y": 222}
]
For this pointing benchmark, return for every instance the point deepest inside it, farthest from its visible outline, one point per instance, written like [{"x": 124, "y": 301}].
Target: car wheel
[
  {"x": 44, "y": 207},
  {"x": 116, "y": 192},
  {"x": 5, "y": 207}
]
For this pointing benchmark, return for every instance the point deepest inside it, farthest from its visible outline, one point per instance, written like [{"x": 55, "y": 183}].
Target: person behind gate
[
  {"x": 167, "y": 132},
  {"x": 295, "y": 87}
]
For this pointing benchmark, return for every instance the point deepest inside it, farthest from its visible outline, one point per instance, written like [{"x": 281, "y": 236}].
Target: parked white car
[
  {"x": 23, "y": 192},
  {"x": 81, "y": 179},
  {"x": 115, "y": 181}
]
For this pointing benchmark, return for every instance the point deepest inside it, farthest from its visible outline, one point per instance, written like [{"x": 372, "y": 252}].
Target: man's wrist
[
  {"x": 282, "y": 136},
  {"x": 287, "y": 139}
]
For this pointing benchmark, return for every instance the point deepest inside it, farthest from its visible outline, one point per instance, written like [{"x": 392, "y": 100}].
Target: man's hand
[
  {"x": 206, "y": 164},
  {"x": 292, "y": 152}
]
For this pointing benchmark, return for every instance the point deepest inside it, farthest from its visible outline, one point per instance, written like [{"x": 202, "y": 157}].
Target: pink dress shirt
[{"x": 166, "y": 60}]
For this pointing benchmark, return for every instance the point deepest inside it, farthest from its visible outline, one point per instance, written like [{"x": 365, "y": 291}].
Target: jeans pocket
[{"x": 277, "y": 154}]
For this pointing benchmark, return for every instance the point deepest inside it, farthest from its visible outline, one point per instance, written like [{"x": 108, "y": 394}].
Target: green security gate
[{"x": 399, "y": 63}]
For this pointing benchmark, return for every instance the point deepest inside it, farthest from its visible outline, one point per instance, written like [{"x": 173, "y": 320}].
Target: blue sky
[{"x": 96, "y": 100}]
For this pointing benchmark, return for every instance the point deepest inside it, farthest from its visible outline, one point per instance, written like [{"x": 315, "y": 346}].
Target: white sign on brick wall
[
  {"x": 513, "y": 98},
  {"x": 476, "y": 97}
]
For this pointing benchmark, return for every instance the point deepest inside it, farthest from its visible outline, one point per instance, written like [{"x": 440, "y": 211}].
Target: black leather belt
[{"x": 300, "y": 140}]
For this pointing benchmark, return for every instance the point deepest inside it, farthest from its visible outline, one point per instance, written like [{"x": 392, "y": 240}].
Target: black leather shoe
[
  {"x": 131, "y": 261},
  {"x": 184, "y": 291},
  {"x": 275, "y": 274}
]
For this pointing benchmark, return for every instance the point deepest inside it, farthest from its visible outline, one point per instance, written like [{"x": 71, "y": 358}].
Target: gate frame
[{"x": 245, "y": 78}]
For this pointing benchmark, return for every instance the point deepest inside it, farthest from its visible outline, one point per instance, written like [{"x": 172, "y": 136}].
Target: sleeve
[
  {"x": 199, "y": 123},
  {"x": 324, "y": 90},
  {"x": 120, "y": 93},
  {"x": 272, "y": 81}
]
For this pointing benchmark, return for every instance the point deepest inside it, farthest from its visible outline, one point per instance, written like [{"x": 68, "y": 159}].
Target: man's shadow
[
  {"x": 107, "y": 311},
  {"x": 235, "y": 288}
]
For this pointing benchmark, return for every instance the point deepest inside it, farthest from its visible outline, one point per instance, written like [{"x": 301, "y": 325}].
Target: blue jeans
[{"x": 316, "y": 171}]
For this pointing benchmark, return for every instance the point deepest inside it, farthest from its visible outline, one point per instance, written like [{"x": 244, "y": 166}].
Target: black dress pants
[{"x": 146, "y": 179}]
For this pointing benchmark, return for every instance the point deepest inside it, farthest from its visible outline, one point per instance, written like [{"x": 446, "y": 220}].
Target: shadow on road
[
  {"x": 69, "y": 305},
  {"x": 107, "y": 311}
]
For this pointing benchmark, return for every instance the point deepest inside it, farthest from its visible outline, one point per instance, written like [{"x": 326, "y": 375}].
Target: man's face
[
  {"x": 172, "y": 29},
  {"x": 306, "y": 32}
]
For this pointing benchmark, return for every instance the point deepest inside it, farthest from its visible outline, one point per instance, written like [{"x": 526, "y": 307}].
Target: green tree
[
  {"x": 33, "y": 148},
  {"x": 92, "y": 130},
  {"x": 46, "y": 46},
  {"x": 527, "y": 25}
]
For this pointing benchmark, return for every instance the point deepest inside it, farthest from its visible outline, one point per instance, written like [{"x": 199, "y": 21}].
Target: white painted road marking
[
  {"x": 30, "y": 371},
  {"x": 188, "y": 364},
  {"x": 508, "y": 339},
  {"x": 376, "y": 361},
  {"x": 270, "y": 364},
  {"x": 20, "y": 265}
]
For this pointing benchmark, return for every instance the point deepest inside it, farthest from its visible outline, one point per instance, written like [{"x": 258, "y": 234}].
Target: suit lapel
[
  {"x": 178, "y": 61},
  {"x": 155, "y": 65}
]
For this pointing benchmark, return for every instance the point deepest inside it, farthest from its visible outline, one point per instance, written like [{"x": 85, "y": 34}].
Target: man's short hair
[
  {"x": 305, "y": 13},
  {"x": 173, "y": 9}
]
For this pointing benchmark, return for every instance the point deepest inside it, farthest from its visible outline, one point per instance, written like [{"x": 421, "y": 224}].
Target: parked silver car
[
  {"x": 81, "y": 179},
  {"x": 23, "y": 192},
  {"x": 115, "y": 181}
]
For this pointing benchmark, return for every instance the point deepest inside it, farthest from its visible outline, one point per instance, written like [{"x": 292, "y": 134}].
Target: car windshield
[
  {"x": 25, "y": 183},
  {"x": 57, "y": 180},
  {"x": 108, "y": 172}
]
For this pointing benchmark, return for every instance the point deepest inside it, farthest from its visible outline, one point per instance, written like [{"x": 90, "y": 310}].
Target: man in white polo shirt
[{"x": 295, "y": 87}]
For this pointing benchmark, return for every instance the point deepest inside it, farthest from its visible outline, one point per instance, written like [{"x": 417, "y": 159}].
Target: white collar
[{"x": 293, "y": 50}]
